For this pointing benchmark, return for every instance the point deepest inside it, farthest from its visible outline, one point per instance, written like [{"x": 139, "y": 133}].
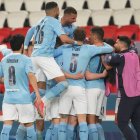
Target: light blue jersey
[
  {"x": 6, "y": 51},
  {"x": 45, "y": 33},
  {"x": 95, "y": 66},
  {"x": 69, "y": 30},
  {"x": 59, "y": 61},
  {"x": 58, "y": 54},
  {"x": 76, "y": 60},
  {"x": 15, "y": 68}
]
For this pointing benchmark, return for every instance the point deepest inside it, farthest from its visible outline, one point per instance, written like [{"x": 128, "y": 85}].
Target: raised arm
[
  {"x": 4, "y": 50},
  {"x": 63, "y": 37},
  {"x": 94, "y": 50},
  {"x": 28, "y": 37}
]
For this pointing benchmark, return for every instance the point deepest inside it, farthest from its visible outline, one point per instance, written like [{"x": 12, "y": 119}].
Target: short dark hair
[
  {"x": 126, "y": 40},
  {"x": 50, "y": 5},
  {"x": 99, "y": 32},
  {"x": 16, "y": 42},
  {"x": 70, "y": 10},
  {"x": 109, "y": 41},
  {"x": 79, "y": 34}
]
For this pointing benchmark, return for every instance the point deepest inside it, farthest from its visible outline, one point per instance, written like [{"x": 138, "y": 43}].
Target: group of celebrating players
[{"x": 67, "y": 73}]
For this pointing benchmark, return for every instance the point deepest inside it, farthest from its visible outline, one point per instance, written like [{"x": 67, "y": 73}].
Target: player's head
[
  {"x": 96, "y": 35},
  {"x": 79, "y": 34},
  {"x": 52, "y": 9},
  {"x": 16, "y": 42},
  {"x": 70, "y": 15},
  {"x": 122, "y": 43}
]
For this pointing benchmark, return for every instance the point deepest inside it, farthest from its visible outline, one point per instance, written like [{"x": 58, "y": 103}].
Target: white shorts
[
  {"x": 95, "y": 98},
  {"x": 72, "y": 111},
  {"x": 37, "y": 116},
  {"x": 75, "y": 96},
  {"x": 24, "y": 113},
  {"x": 103, "y": 109},
  {"x": 54, "y": 108},
  {"x": 46, "y": 67},
  {"x": 48, "y": 113}
]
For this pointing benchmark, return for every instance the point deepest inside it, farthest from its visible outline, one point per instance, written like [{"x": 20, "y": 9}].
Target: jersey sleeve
[
  {"x": 58, "y": 29},
  {"x": 6, "y": 51},
  {"x": 94, "y": 50},
  {"x": 29, "y": 36},
  {"x": 1, "y": 71},
  {"x": 29, "y": 66}
]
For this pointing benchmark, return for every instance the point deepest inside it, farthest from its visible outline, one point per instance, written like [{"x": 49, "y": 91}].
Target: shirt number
[
  {"x": 39, "y": 35},
  {"x": 12, "y": 76},
  {"x": 73, "y": 64}
]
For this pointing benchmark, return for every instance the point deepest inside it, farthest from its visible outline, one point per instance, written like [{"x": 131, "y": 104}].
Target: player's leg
[
  {"x": 65, "y": 105},
  {"x": 26, "y": 116},
  {"x": 100, "y": 109},
  {"x": 83, "y": 128},
  {"x": 132, "y": 127},
  {"x": 80, "y": 106},
  {"x": 48, "y": 118},
  {"x": 6, "y": 130},
  {"x": 62, "y": 132},
  {"x": 39, "y": 128},
  {"x": 92, "y": 98},
  {"x": 31, "y": 134},
  {"x": 71, "y": 128},
  {"x": 52, "y": 71},
  {"x": 54, "y": 112},
  {"x": 125, "y": 111},
  {"x": 39, "y": 119},
  {"x": 49, "y": 132},
  {"x": 136, "y": 120},
  {"x": 100, "y": 130},
  {"x": 54, "y": 134},
  {"x": 21, "y": 132},
  {"x": 92, "y": 127},
  {"x": 60, "y": 87},
  {"x": 9, "y": 115}
]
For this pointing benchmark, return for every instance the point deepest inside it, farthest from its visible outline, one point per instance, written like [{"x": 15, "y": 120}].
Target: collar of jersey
[{"x": 16, "y": 53}]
